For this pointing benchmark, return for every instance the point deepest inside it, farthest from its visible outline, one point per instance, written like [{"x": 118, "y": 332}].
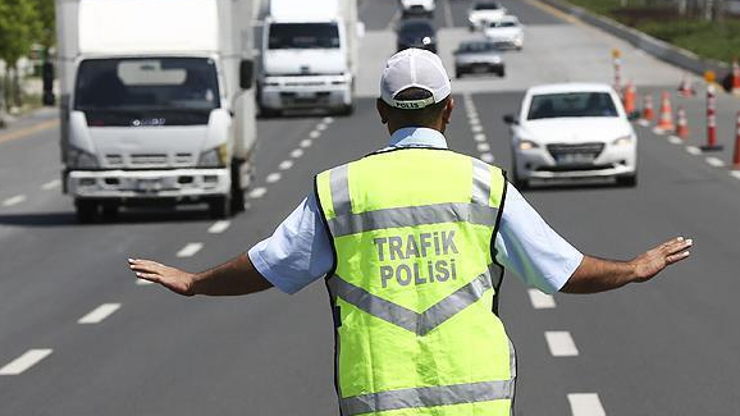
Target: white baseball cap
[{"x": 414, "y": 68}]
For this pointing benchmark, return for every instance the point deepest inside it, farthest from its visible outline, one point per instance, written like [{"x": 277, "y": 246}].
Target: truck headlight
[
  {"x": 527, "y": 145},
  {"x": 214, "y": 158},
  {"x": 80, "y": 159},
  {"x": 623, "y": 141}
]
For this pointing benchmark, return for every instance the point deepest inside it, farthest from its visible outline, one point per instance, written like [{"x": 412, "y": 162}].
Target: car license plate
[
  {"x": 148, "y": 185},
  {"x": 575, "y": 159}
]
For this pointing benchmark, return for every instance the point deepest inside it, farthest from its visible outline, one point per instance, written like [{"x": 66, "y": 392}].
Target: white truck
[
  {"x": 157, "y": 104},
  {"x": 309, "y": 55}
]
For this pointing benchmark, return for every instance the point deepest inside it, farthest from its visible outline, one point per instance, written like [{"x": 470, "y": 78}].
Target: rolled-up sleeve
[
  {"x": 530, "y": 248},
  {"x": 298, "y": 252}
]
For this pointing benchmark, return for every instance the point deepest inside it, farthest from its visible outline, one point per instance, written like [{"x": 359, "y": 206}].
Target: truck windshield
[
  {"x": 304, "y": 36},
  {"x": 147, "y": 84},
  {"x": 577, "y": 104}
]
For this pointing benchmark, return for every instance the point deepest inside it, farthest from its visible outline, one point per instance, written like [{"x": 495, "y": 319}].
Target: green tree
[{"x": 19, "y": 28}]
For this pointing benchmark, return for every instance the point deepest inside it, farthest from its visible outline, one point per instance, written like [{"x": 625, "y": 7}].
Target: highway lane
[{"x": 641, "y": 349}]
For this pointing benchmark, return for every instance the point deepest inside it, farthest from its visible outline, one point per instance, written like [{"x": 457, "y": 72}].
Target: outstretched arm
[
  {"x": 235, "y": 277},
  {"x": 598, "y": 275}
]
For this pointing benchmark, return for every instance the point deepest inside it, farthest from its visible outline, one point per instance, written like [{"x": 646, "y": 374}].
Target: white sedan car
[
  {"x": 484, "y": 12},
  {"x": 417, "y": 7},
  {"x": 569, "y": 131},
  {"x": 506, "y": 32}
]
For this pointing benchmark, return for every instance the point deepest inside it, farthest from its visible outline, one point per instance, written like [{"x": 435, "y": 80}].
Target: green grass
[{"x": 706, "y": 39}]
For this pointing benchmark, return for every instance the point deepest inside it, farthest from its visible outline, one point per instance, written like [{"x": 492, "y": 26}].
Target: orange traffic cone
[
  {"x": 630, "y": 99},
  {"x": 735, "y": 77},
  {"x": 685, "y": 89},
  {"x": 682, "y": 124},
  {"x": 647, "y": 108},
  {"x": 665, "y": 122}
]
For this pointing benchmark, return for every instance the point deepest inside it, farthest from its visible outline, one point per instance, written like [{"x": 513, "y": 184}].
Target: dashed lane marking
[
  {"x": 561, "y": 344},
  {"x": 273, "y": 177},
  {"x": 484, "y": 147},
  {"x": 53, "y": 184},
  {"x": 321, "y": 127},
  {"x": 585, "y": 404},
  {"x": 295, "y": 154},
  {"x": 25, "y": 361},
  {"x": 306, "y": 143},
  {"x": 257, "y": 193},
  {"x": 643, "y": 123},
  {"x": 328, "y": 120},
  {"x": 98, "y": 314},
  {"x": 190, "y": 250},
  {"x": 693, "y": 150},
  {"x": 541, "y": 300},
  {"x": 487, "y": 157},
  {"x": 315, "y": 134},
  {"x": 219, "y": 226},
  {"x": 675, "y": 140},
  {"x": 285, "y": 165},
  {"x": 480, "y": 137},
  {"x": 476, "y": 129},
  {"x": 735, "y": 174},
  {"x": 713, "y": 161},
  {"x": 658, "y": 131},
  {"x": 14, "y": 200}
]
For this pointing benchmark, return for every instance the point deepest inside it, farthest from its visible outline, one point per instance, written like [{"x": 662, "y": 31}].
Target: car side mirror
[
  {"x": 246, "y": 74},
  {"x": 510, "y": 119}
]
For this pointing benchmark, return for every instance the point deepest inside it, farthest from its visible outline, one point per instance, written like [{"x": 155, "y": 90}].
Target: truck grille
[
  {"x": 149, "y": 159},
  {"x": 590, "y": 149}
]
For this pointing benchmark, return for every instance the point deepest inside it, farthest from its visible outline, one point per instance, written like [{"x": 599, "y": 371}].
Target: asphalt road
[{"x": 664, "y": 348}]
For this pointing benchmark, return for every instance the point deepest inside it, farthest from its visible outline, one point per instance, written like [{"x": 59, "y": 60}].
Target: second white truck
[{"x": 309, "y": 56}]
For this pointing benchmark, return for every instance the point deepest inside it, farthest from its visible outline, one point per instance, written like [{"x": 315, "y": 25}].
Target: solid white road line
[
  {"x": 561, "y": 344},
  {"x": 483, "y": 147},
  {"x": 315, "y": 134},
  {"x": 295, "y": 154},
  {"x": 24, "y": 362},
  {"x": 487, "y": 157},
  {"x": 735, "y": 174},
  {"x": 717, "y": 163},
  {"x": 14, "y": 200},
  {"x": 219, "y": 226},
  {"x": 306, "y": 143},
  {"x": 285, "y": 165},
  {"x": 273, "y": 177},
  {"x": 693, "y": 150},
  {"x": 675, "y": 140},
  {"x": 257, "y": 193},
  {"x": 480, "y": 137},
  {"x": 190, "y": 250},
  {"x": 585, "y": 404},
  {"x": 53, "y": 184},
  {"x": 98, "y": 314},
  {"x": 541, "y": 300}
]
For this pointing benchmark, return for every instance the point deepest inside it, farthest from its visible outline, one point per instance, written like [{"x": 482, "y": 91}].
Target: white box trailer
[
  {"x": 157, "y": 103},
  {"x": 310, "y": 52}
]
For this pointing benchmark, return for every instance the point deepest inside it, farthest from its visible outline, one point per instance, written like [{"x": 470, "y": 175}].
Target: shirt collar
[{"x": 418, "y": 137}]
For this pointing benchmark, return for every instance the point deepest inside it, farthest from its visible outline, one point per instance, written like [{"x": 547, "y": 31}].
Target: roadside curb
[{"x": 658, "y": 48}]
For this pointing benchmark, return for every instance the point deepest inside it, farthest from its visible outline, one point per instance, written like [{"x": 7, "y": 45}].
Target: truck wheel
[
  {"x": 220, "y": 208},
  {"x": 269, "y": 113},
  {"x": 347, "y": 110},
  {"x": 86, "y": 211},
  {"x": 110, "y": 211}
]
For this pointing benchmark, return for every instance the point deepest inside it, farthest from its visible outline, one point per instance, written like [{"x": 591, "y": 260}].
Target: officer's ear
[
  {"x": 447, "y": 112},
  {"x": 382, "y": 110}
]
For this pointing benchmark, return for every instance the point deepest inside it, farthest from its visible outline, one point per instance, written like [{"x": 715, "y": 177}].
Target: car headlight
[
  {"x": 214, "y": 158},
  {"x": 527, "y": 145},
  {"x": 496, "y": 60},
  {"x": 80, "y": 159},
  {"x": 623, "y": 141}
]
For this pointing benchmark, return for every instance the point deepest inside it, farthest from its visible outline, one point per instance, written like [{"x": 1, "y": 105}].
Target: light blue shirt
[{"x": 299, "y": 251}]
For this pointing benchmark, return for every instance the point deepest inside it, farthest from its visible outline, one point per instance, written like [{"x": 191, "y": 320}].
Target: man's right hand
[{"x": 176, "y": 280}]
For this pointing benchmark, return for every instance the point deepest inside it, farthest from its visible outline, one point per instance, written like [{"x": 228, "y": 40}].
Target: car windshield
[
  {"x": 576, "y": 104},
  {"x": 477, "y": 47},
  {"x": 136, "y": 84},
  {"x": 487, "y": 6},
  {"x": 304, "y": 36},
  {"x": 503, "y": 24}
]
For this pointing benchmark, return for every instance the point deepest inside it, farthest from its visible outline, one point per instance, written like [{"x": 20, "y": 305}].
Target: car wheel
[
  {"x": 86, "y": 211},
  {"x": 627, "y": 181},
  {"x": 110, "y": 211},
  {"x": 268, "y": 113},
  {"x": 501, "y": 73}
]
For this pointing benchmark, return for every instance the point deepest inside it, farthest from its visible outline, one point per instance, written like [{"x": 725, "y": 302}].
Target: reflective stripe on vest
[{"x": 419, "y": 338}]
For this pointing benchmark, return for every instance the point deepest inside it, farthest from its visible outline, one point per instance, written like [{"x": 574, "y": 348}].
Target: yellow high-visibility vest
[{"x": 414, "y": 285}]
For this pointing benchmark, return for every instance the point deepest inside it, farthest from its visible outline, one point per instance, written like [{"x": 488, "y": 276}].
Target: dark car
[{"x": 417, "y": 33}]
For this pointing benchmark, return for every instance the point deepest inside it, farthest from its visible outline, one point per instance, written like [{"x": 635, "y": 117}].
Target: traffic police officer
[{"x": 413, "y": 240}]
